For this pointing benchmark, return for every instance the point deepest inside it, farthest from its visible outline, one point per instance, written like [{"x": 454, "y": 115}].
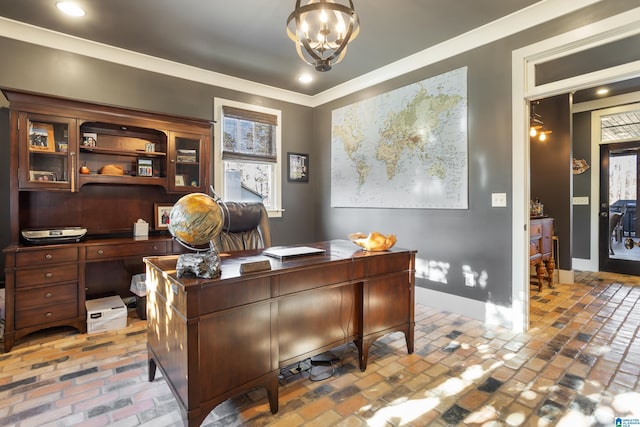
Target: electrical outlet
[{"x": 499, "y": 200}]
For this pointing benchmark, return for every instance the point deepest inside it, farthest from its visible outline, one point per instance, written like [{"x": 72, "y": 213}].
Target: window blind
[{"x": 248, "y": 135}]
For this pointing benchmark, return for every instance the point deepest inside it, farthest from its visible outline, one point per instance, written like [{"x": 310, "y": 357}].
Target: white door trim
[{"x": 525, "y": 90}]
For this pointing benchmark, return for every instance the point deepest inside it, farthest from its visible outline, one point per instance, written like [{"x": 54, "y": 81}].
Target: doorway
[
  {"x": 618, "y": 220},
  {"x": 525, "y": 88}
]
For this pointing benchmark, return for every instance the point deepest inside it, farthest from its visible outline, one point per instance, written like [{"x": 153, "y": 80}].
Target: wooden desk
[
  {"x": 214, "y": 339},
  {"x": 46, "y": 286}
]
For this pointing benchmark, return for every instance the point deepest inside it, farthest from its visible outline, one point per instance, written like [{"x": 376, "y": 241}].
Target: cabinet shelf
[
  {"x": 48, "y": 153},
  {"x": 121, "y": 179},
  {"x": 130, "y": 153}
]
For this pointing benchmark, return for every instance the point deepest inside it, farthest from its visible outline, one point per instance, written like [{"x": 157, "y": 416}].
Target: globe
[{"x": 195, "y": 219}]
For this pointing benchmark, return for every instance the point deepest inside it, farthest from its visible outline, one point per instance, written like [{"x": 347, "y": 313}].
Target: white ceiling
[{"x": 247, "y": 39}]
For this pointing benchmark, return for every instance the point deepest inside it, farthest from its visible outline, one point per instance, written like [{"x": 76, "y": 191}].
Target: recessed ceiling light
[
  {"x": 305, "y": 78},
  {"x": 70, "y": 8},
  {"x": 602, "y": 91}
]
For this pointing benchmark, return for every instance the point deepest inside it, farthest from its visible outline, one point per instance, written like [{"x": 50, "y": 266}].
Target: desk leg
[
  {"x": 152, "y": 369},
  {"x": 408, "y": 337},
  {"x": 363, "y": 352},
  {"x": 272, "y": 392}
]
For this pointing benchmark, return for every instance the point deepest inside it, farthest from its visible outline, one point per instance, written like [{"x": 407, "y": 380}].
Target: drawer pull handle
[
  {"x": 48, "y": 295},
  {"x": 155, "y": 248},
  {"x": 100, "y": 252},
  {"x": 48, "y": 275},
  {"x": 48, "y": 256},
  {"x": 48, "y": 314}
]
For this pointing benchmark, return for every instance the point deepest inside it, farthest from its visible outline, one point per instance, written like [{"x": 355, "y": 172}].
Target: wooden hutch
[{"x": 98, "y": 167}]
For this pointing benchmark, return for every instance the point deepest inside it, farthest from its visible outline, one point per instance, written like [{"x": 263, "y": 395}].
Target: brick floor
[{"x": 578, "y": 365}]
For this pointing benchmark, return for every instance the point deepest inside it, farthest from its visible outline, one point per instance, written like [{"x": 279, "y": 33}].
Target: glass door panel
[
  {"x": 619, "y": 250},
  {"x": 187, "y": 163},
  {"x": 47, "y": 147}
]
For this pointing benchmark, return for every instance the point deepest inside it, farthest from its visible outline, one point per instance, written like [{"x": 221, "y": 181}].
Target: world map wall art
[{"x": 406, "y": 148}]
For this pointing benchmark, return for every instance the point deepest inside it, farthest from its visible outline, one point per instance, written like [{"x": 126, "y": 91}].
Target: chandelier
[
  {"x": 536, "y": 126},
  {"x": 321, "y": 30}
]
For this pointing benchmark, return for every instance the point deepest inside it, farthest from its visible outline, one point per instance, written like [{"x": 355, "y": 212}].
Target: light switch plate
[
  {"x": 499, "y": 200},
  {"x": 581, "y": 200}
]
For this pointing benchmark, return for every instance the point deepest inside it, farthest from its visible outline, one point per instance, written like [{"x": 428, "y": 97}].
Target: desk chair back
[{"x": 246, "y": 227}]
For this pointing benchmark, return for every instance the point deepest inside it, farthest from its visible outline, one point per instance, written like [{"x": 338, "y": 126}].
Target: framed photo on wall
[
  {"x": 161, "y": 213},
  {"x": 297, "y": 167}
]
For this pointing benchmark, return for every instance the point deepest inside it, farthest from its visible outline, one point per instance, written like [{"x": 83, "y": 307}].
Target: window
[{"x": 247, "y": 154}]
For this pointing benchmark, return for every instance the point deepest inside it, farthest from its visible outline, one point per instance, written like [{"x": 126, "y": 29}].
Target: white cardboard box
[{"x": 106, "y": 314}]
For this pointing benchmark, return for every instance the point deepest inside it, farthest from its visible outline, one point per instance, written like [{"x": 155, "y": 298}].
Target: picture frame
[
  {"x": 41, "y": 137},
  {"x": 89, "y": 139},
  {"x": 44, "y": 176},
  {"x": 161, "y": 213},
  {"x": 297, "y": 167},
  {"x": 145, "y": 167},
  {"x": 181, "y": 180}
]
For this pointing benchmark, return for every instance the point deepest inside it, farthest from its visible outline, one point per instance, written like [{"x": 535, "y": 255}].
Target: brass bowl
[{"x": 374, "y": 241}]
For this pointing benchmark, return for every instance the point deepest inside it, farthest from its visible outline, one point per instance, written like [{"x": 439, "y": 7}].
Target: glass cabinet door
[
  {"x": 47, "y": 152},
  {"x": 187, "y": 163}
]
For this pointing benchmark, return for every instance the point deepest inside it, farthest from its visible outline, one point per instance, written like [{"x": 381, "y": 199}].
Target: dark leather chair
[{"x": 246, "y": 226}]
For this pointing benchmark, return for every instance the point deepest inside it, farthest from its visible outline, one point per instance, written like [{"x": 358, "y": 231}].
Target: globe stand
[{"x": 205, "y": 265}]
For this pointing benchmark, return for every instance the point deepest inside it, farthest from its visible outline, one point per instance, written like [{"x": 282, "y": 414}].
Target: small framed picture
[
  {"x": 150, "y": 147},
  {"x": 161, "y": 213},
  {"x": 89, "y": 139},
  {"x": 43, "y": 176},
  {"x": 41, "y": 137},
  {"x": 181, "y": 180},
  {"x": 145, "y": 167},
  {"x": 297, "y": 167}
]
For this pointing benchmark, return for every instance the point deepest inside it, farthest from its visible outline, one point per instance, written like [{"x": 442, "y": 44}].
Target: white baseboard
[
  {"x": 485, "y": 312},
  {"x": 583, "y": 264},
  {"x": 565, "y": 276}
]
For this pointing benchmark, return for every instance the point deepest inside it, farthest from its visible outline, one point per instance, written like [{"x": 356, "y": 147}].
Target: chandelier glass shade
[{"x": 321, "y": 31}]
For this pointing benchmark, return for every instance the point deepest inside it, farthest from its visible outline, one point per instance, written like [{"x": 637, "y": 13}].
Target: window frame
[{"x": 218, "y": 162}]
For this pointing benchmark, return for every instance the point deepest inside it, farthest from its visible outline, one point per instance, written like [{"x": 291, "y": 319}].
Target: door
[
  {"x": 47, "y": 152},
  {"x": 619, "y": 242},
  {"x": 187, "y": 163}
]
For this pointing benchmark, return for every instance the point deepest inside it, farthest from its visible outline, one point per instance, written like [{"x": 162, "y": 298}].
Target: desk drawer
[
  {"x": 46, "y": 274},
  {"x": 378, "y": 265},
  {"x": 38, "y": 316},
  {"x": 46, "y": 256},
  {"x": 311, "y": 278},
  {"x": 47, "y": 295},
  {"x": 141, "y": 249},
  {"x": 535, "y": 229}
]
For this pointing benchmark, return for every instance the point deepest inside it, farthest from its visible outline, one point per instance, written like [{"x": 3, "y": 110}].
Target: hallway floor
[{"x": 578, "y": 365}]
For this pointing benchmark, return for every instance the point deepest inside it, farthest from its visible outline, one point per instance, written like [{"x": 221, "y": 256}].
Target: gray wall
[
  {"x": 581, "y": 234},
  {"x": 478, "y": 238},
  {"x": 448, "y": 240},
  {"x": 39, "y": 69}
]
